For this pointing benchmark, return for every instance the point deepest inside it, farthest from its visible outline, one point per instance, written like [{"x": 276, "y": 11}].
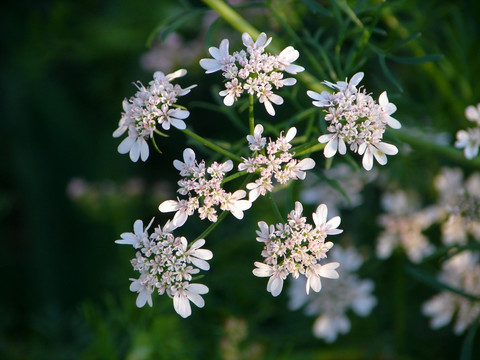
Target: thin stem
[
  {"x": 446, "y": 151},
  {"x": 309, "y": 148},
  {"x": 275, "y": 207},
  {"x": 212, "y": 226},
  {"x": 211, "y": 145},
  {"x": 251, "y": 119},
  {"x": 234, "y": 176},
  {"x": 155, "y": 145}
]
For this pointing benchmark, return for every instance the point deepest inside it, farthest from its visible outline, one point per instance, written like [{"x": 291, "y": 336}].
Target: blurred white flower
[
  {"x": 462, "y": 272},
  {"x": 403, "y": 226},
  {"x": 336, "y": 298}
]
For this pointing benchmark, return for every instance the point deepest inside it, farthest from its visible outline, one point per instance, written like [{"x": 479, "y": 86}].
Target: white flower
[
  {"x": 144, "y": 292},
  {"x": 379, "y": 151},
  {"x": 256, "y": 141},
  {"x": 472, "y": 113},
  {"x": 137, "y": 237},
  {"x": 196, "y": 255},
  {"x": 221, "y": 58},
  {"x": 277, "y": 276},
  {"x": 152, "y": 105},
  {"x": 320, "y": 100},
  {"x": 286, "y": 57},
  {"x": 320, "y": 220},
  {"x": 336, "y": 297},
  {"x": 313, "y": 275},
  {"x": 235, "y": 205},
  {"x": 173, "y": 117},
  {"x": 334, "y": 143},
  {"x": 259, "y": 45},
  {"x": 356, "y": 121},
  {"x": 183, "y": 209},
  {"x": 183, "y": 296},
  {"x": 136, "y": 146},
  {"x": 470, "y": 140},
  {"x": 188, "y": 166},
  {"x": 388, "y": 109}
]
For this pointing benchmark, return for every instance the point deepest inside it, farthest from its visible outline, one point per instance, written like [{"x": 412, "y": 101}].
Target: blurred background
[{"x": 66, "y": 194}]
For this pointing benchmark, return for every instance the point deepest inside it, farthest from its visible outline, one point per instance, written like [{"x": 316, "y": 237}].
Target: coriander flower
[
  {"x": 462, "y": 272},
  {"x": 472, "y": 113},
  {"x": 337, "y": 297},
  {"x": 273, "y": 161},
  {"x": 166, "y": 264},
  {"x": 296, "y": 248},
  {"x": 203, "y": 188},
  {"x": 356, "y": 121},
  {"x": 253, "y": 71},
  {"x": 151, "y": 106},
  {"x": 470, "y": 138}
]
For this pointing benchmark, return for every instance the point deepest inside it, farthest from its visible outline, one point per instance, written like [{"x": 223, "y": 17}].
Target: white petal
[
  {"x": 291, "y": 133},
  {"x": 275, "y": 285},
  {"x": 331, "y": 147},
  {"x": 126, "y": 145},
  {"x": 182, "y": 305},
  {"x": 328, "y": 270},
  {"x": 168, "y": 206}
]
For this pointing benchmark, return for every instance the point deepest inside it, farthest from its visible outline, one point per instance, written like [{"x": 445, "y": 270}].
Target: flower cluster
[
  {"x": 253, "y": 71},
  {"x": 296, "y": 248},
  {"x": 470, "y": 139},
  {"x": 166, "y": 264},
  {"x": 460, "y": 205},
  {"x": 337, "y": 297},
  {"x": 403, "y": 226},
  {"x": 461, "y": 272},
  {"x": 203, "y": 187},
  {"x": 356, "y": 120},
  {"x": 273, "y": 163},
  {"x": 152, "y": 105}
]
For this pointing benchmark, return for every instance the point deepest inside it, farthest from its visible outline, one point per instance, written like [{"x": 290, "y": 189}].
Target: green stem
[
  {"x": 446, "y": 151},
  {"x": 234, "y": 176},
  {"x": 275, "y": 207},
  {"x": 251, "y": 119},
  {"x": 212, "y": 226},
  {"x": 308, "y": 148},
  {"x": 240, "y": 24},
  {"x": 211, "y": 145}
]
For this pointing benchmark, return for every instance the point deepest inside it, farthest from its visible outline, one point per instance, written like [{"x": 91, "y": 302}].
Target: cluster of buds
[
  {"x": 166, "y": 264},
  {"x": 296, "y": 247},
  {"x": 253, "y": 71},
  {"x": 356, "y": 121},
  {"x": 273, "y": 161},
  {"x": 151, "y": 106},
  {"x": 203, "y": 186}
]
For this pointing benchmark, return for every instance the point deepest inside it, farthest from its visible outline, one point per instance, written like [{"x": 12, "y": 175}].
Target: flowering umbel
[
  {"x": 297, "y": 248},
  {"x": 253, "y": 71},
  {"x": 356, "y": 121},
  {"x": 275, "y": 163},
  {"x": 166, "y": 264},
  {"x": 203, "y": 188},
  {"x": 153, "y": 105}
]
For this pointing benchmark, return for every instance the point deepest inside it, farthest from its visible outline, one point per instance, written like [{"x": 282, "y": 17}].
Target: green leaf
[
  {"x": 415, "y": 60},
  {"x": 386, "y": 71},
  {"x": 350, "y": 13},
  {"x": 316, "y": 7},
  {"x": 403, "y": 42},
  {"x": 467, "y": 346}
]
